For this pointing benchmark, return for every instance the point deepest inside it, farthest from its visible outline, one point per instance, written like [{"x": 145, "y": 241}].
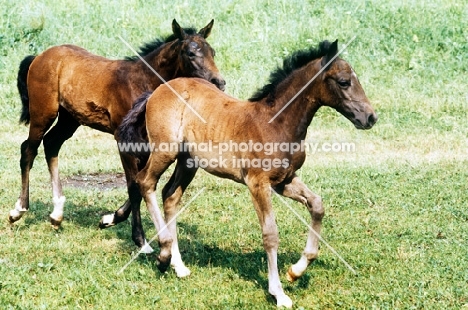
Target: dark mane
[
  {"x": 149, "y": 47},
  {"x": 295, "y": 61}
]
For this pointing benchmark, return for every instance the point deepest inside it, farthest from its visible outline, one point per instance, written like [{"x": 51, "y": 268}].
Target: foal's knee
[{"x": 316, "y": 208}]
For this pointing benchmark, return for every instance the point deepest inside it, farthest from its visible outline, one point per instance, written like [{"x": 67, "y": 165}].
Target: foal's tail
[
  {"x": 133, "y": 127},
  {"x": 23, "y": 87}
]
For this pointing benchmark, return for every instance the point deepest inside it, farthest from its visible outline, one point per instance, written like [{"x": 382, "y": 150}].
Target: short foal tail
[
  {"x": 133, "y": 126},
  {"x": 23, "y": 87}
]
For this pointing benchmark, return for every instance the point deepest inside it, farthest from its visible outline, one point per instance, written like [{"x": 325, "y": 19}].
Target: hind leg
[
  {"x": 53, "y": 141},
  {"x": 147, "y": 180},
  {"x": 37, "y": 128},
  {"x": 122, "y": 214},
  {"x": 172, "y": 193},
  {"x": 297, "y": 190},
  {"x": 132, "y": 205},
  {"x": 138, "y": 234}
]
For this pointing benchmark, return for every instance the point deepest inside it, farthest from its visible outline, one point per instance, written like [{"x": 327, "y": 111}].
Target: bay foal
[
  {"x": 69, "y": 84},
  {"x": 230, "y": 121}
]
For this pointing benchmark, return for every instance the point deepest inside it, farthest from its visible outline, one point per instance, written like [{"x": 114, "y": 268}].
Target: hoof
[
  {"x": 11, "y": 219},
  {"x": 16, "y": 213},
  {"x": 146, "y": 248},
  {"x": 182, "y": 271},
  {"x": 291, "y": 276},
  {"x": 55, "y": 222},
  {"x": 107, "y": 221},
  {"x": 284, "y": 301},
  {"x": 163, "y": 265}
]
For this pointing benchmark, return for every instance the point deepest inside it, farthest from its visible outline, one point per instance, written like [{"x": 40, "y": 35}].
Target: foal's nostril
[
  {"x": 220, "y": 83},
  {"x": 372, "y": 119}
]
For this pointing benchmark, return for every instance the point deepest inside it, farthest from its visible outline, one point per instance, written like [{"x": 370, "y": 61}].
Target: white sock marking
[
  {"x": 108, "y": 219},
  {"x": 18, "y": 211},
  {"x": 57, "y": 214}
]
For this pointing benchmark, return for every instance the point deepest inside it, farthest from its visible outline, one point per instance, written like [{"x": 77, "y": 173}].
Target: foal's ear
[
  {"x": 178, "y": 31},
  {"x": 205, "y": 32},
  {"x": 332, "y": 51}
]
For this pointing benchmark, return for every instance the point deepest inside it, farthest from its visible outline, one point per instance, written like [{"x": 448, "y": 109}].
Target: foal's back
[
  {"x": 86, "y": 85},
  {"x": 205, "y": 114}
]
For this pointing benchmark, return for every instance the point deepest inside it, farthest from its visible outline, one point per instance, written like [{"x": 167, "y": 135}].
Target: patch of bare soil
[{"x": 100, "y": 181}]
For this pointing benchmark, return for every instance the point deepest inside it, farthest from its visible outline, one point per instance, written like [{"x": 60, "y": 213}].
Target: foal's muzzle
[
  {"x": 219, "y": 82},
  {"x": 366, "y": 121}
]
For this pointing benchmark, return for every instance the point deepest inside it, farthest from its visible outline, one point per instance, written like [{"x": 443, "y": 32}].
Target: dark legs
[
  {"x": 124, "y": 211},
  {"x": 134, "y": 200},
  {"x": 29, "y": 147},
  {"x": 64, "y": 129},
  {"x": 131, "y": 166},
  {"x": 171, "y": 195},
  {"x": 53, "y": 141}
]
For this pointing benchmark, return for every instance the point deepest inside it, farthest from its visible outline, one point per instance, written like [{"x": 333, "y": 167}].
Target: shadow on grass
[
  {"x": 248, "y": 265},
  {"x": 84, "y": 216}
]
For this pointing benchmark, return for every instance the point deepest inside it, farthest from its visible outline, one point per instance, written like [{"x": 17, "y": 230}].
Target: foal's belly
[{"x": 90, "y": 114}]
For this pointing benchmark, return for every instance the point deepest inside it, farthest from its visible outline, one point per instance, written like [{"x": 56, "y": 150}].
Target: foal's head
[
  {"x": 196, "y": 57},
  {"x": 343, "y": 92}
]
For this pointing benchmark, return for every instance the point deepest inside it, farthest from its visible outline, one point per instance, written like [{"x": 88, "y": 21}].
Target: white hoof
[
  {"x": 284, "y": 301},
  {"x": 17, "y": 212},
  {"x": 182, "y": 271},
  {"x": 146, "y": 248}
]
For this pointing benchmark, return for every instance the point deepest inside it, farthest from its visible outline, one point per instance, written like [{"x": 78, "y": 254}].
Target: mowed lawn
[{"x": 396, "y": 203}]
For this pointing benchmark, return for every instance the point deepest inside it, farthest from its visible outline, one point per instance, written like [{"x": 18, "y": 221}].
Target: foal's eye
[{"x": 344, "y": 83}]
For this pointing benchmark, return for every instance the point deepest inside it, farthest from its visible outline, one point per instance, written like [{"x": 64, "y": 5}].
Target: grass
[{"x": 396, "y": 208}]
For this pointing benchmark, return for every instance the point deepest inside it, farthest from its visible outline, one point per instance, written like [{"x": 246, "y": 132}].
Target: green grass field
[{"x": 396, "y": 207}]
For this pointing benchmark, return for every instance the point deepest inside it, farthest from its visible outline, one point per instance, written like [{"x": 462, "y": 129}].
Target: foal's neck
[
  {"x": 299, "y": 104},
  {"x": 164, "y": 62}
]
